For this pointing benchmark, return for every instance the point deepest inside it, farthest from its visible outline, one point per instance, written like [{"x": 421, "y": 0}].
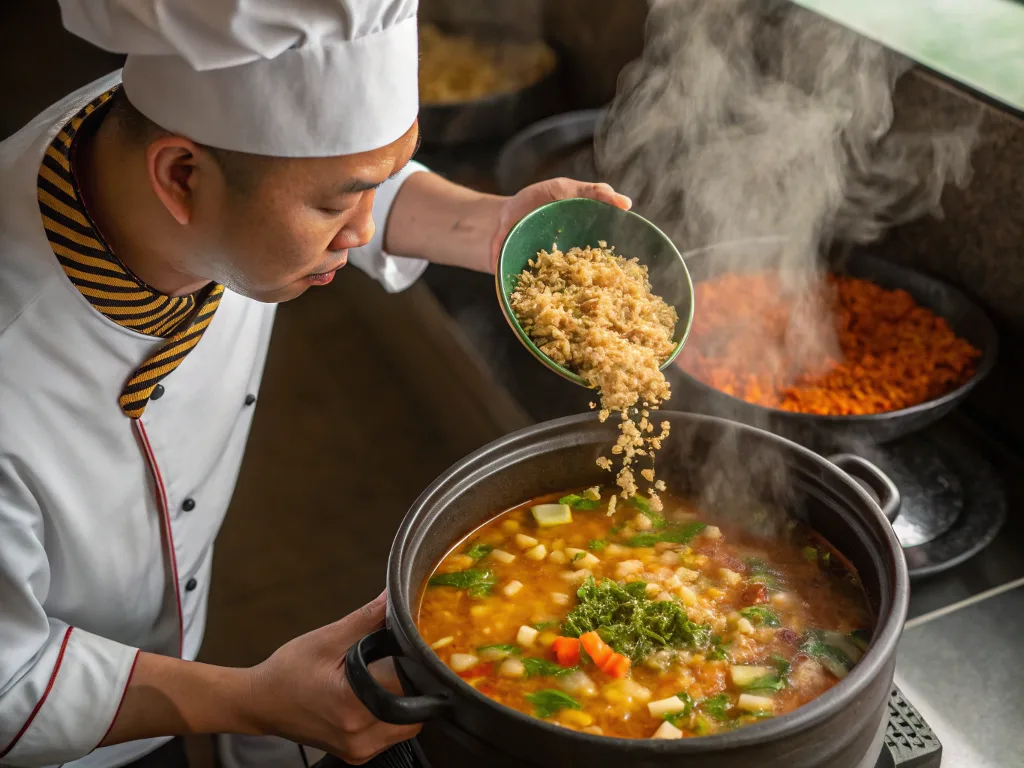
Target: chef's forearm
[
  {"x": 172, "y": 697},
  {"x": 442, "y": 222}
]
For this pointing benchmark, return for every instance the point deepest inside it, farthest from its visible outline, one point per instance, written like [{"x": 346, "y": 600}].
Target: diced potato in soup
[{"x": 671, "y": 628}]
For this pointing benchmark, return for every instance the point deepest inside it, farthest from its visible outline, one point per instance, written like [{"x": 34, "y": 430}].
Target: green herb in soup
[
  {"x": 642, "y": 624},
  {"x": 546, "y": 703},
  {"x": 475, "y": 582},
  {"x": 682, "y": 534},
  {"x": 576, "y": 501},
  {"x": 630, "y": 622}
]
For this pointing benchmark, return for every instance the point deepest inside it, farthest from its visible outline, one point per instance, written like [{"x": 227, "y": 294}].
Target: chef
[{"x": 149, "y": 223}]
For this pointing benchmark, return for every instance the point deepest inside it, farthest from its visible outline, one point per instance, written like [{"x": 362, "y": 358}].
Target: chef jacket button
[
  {"x": 158, "y": 392},
  {"x": 250, "y": 399},
  {"x": 191, "y": 584},
  {"x": 188, "y": 504}
]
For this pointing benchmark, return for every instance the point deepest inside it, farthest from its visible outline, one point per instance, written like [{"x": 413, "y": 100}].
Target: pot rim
[{"x": 889, "y": 628}]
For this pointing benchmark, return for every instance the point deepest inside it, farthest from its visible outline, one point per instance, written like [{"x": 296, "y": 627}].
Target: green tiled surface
[{"x": 979, "y": 43}]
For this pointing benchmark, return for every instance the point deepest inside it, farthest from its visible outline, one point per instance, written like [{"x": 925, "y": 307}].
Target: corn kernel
[
  {"x": 459, "y": 562},
  {"x": 546, "y": 639},
  {"x": 576, "y": 577},
  {"x": 589, "y": 560},
  {"x": 685, "y": 574},
  {"x": 525, "y": 542},
  {"x": 538, "y": 552},
  {"x": 575, "y": 717},
  {"x": 730, "y": 577}
]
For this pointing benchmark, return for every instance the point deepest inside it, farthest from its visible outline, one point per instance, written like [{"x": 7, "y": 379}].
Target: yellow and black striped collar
[{"x": 108, "y": 285}]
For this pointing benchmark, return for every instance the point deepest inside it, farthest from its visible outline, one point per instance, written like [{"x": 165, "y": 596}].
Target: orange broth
[{"x": 774, "y": 623}]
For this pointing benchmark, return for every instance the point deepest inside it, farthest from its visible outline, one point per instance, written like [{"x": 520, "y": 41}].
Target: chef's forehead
[{"x": 304, "y": 79}]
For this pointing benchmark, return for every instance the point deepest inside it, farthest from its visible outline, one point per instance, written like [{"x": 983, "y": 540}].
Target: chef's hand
[
  {"x": 534, "y": 196},
  {"x": 302, "y": 694}
]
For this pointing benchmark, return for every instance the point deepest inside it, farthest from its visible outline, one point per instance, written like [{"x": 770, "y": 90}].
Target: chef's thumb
[{"x": 363, "y": 620}]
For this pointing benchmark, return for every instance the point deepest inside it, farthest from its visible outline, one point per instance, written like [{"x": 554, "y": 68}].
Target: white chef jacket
[{"x": 97, "y": 541}]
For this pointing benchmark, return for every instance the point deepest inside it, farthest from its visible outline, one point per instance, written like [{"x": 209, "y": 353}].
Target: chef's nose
[{"x": 359, "y": 229}]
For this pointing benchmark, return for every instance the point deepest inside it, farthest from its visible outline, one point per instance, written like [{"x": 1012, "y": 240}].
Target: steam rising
[
  {"x": 764, "y": 130},
  {"x": 747, "y": 118}
]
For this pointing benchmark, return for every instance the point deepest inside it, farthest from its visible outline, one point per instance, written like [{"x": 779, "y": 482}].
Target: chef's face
[{"x": 289, "y": 223}]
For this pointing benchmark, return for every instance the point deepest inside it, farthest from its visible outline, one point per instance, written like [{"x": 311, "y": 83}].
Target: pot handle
[
  {"x": 863, "y": 470},
  {"x": 382, "y": 703}
]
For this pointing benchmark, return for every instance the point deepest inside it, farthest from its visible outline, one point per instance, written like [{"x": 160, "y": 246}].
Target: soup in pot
[{"x": 643, "y": 624}]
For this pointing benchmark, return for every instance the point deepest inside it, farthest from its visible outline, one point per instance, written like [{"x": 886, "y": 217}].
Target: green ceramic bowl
[{"x": 579, "y": 222}]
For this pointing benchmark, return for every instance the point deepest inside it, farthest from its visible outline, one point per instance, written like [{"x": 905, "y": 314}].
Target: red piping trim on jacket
[
  {"x": 42, "y": 699},
  {"x": 162, "y": 499},
  {"x": 124, "y": 694}
]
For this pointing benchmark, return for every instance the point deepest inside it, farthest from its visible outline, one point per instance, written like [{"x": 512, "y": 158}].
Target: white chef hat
[{"x": 289, "y": 78}]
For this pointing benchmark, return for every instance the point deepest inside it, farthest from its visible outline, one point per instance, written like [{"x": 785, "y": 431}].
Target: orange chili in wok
[{"x": 750, "y": 341}]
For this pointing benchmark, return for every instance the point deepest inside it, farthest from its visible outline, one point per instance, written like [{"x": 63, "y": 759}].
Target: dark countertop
[{"x": 963, "y": 672}]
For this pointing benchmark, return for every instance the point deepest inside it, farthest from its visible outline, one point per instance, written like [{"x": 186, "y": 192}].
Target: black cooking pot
[
  {"x": 497, "y": 116},
  {"x": 729, "y": 469}
]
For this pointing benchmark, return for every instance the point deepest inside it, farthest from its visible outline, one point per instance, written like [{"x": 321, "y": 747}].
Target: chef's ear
[{"x": 172, "y": 163}]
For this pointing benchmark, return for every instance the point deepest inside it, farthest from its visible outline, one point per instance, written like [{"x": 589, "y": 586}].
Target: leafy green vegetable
[
  {"x": 753, "y": 717},
  {"x": 644, "y": 505},
  {"x": 542, "y": 667},
  {"x": 772, "y": 682},
  {"x": 861, "y": 638},
  {"x": 782, "y": 666},
  {"x": 597, "y": 545},
  {"x": 677, "y": 534},
  {"x": 511, "y": 650},
  {"x": 717, "y": 707},
  {"x": 762, "y": 573},
  {"x": 826, "y": 559},
  {"x": 630, "y": 622},
  {"x": 833, "y": 659},
  {"x": 578, "y": 556},
  {"x": 701, "y": 725},
  {"x": 478, "y": 550},
  {"x": 477, "y": 582},
  {"x": 540, "y": 626},
  {"x": 676, "y": 717},
  {"x": 761, "y": 615},
  {"x": 548, "y": 702},
  {"x": 717, "y": 651},
  {"x": 810, "y": 554},
  {"x": 576, "y": 501}
]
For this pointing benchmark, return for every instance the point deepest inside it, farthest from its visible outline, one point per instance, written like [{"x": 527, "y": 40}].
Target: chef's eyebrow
[{"x": 354, "y": 186}]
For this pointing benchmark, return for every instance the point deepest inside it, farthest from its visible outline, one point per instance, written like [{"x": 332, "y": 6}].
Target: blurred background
[{"x": 368, "y": 397}]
